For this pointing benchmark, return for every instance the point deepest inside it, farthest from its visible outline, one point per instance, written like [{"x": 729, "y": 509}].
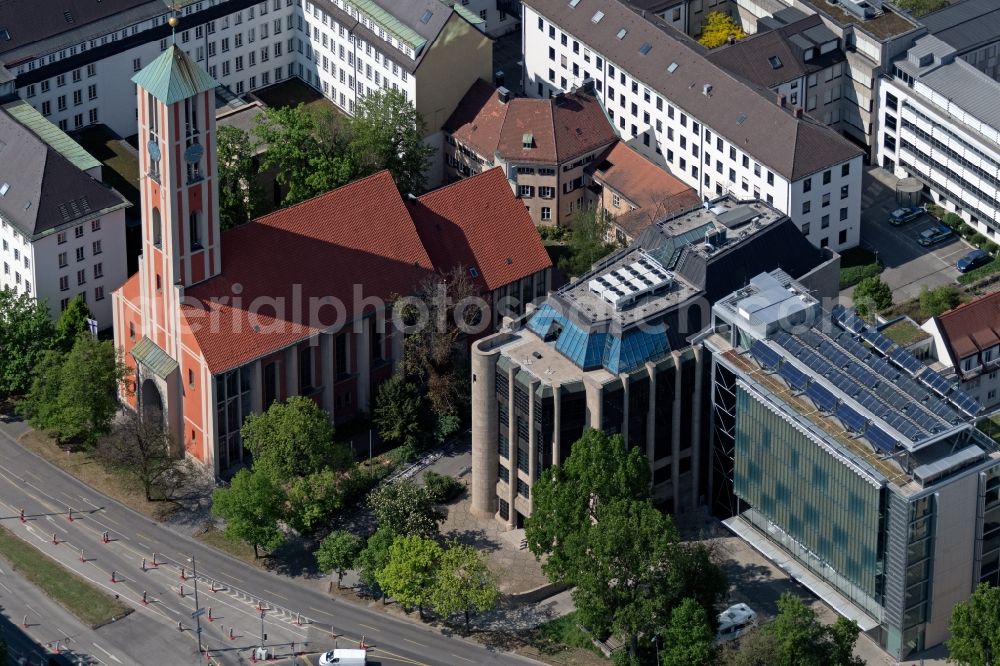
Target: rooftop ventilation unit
[{"x": 596, "y": 18}]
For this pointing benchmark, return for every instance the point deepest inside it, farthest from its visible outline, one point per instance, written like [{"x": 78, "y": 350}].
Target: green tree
[
  {"x": 251, "y": 507},
  {"x": 293, "y": 438},
  {"x": 921, "y": 8},
  {"x": 587, "y": 243},
  {"x": 307, "y": 148},
  {"x": 26, "y": 333},
  {"x": 975, "y": 628},
  {"x": 755, "y": 648},
  {"x": 940, "y": 299},
  {"x": 718, "y": 29},
  {"x": 464, "y": 583},
  {"x": 441, "y": 487},
  {"x": 74, "y": 396},
  {"x": 312, "y": 499},
  {"x": 399, "y": 413},
  {"x": 695, "y": 573},
  {"x": 409, "y": 574},
  {"x": 386, "y": 132},
  {"x": 405, "y": 508},
  {"x": 337, "y": 553},
  {"x": 620, "y": 586},
  {"x": 240, "y": 195},
  {"x": 599, "y": 469},
  {"x": 72, "y": 324},
  {"x": 373, "y": 558},
  {"x": 871, "y": 296},
  {"x": 687, "y": 640}
]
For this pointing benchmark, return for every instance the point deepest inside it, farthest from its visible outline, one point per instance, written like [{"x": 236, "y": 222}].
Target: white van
[
  {"x": 344, "y": 658},
  {"x": 734, "y": 622}
]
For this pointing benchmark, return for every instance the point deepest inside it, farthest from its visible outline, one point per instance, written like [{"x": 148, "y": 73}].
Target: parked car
[
  {"x": 974, "y": 259},
  {"x": 903, "y": 215},
  {"x": 934, "y": 235},
  {"x": 734, "y": 622}
]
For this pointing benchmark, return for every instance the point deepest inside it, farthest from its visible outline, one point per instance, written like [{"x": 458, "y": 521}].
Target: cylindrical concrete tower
[{"x": 484, "y": 426}]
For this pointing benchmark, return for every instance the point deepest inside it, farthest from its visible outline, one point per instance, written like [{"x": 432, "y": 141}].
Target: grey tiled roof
[
  {"x": 28, "y": 21},
  {"x": 42, "y": 190},
  {"x": 745, "y": 116},
  {"x": 966, "y": 24}
]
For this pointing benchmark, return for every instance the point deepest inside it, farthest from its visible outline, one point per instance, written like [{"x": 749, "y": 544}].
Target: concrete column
[
  {"x": 532, "y": 438},
  {"x": 675, "y": 432},
  {"x": 485, "y": 457},
  {"x": 696, "y": 408},
  {"x": 595, "y": 403},
  {"x": 364, "y": 366},
  {"x": 556, "y": 422},
  {"x": 512, "y": 430},
  {"x": 326, "y": 371},
  {"x": 651, "y": 417},
  {"x": 291, "y": 371},
  {"x": 257, "y": 388},
  {"x": 624, "y": 380}
]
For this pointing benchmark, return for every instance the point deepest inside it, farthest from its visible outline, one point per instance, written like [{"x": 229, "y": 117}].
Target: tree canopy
[
  {"x": 718, "y": 29},
  {"x": 293, "y": 438},
  {"x": 386, "y": 132},
  {"x": 240, "y": 195},
  {"x": 74, "y": 396},
  {"x": 139, "y": 447},
  {"x": 688, "y": 638},
  {"x": 400, "y": 412},
  {"x": 934, "y": 302},
  {"x": 404, "y": 508},
  {"x": 410, "y": 571},
  {"x": 871, "y": 296},
  {"x": 251, "y": 507},
  {"x": 587, "y": 241},
  {"x": 26, "y": 333},
  {"x": 464, "y": 583},
  {"x": 373, "y": 557},
  {"x": 337, "y": 552},
  {"x": 600, "y": 468},
  {"x": 72, "y": 324},
  {"x": 975, "y": 628}
]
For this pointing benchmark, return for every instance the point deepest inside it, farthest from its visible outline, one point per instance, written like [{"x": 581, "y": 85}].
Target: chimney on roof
[
  {"x": 706, "y": 90},
  {"x": 503, "y": 95},
  {"x": 781, "y": 100},
  {"x": 588, "y": 87},
  {"x": 797, "y": 112}
]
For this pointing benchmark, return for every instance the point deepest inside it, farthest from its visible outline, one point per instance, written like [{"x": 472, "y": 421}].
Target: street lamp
[
  {"x": 263, "y": 636},
  {"x": 197, "y": 615}
]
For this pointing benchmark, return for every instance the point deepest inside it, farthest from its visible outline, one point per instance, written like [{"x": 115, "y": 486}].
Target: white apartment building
[
  {"x": 77, "y": 71},
  {"x": 940, "y": 123},
  {"x": 715, "y": 133},
  {"x": 62, "y": 231}
]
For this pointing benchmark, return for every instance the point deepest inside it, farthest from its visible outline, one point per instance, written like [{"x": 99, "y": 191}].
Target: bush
[
  {"x": 951, "y": 219},
  {"x": 966, "y": 231},
  {"x": 981, "y": 272},
  {"x": 937, "y": 211},
  {"x": 991, "y": 247},
  {"x": 871, "y": 296},
  {"x": 935, "y": 301},
  {"x": 441, "y": 487},
  {"x": 857, "y": 264}
]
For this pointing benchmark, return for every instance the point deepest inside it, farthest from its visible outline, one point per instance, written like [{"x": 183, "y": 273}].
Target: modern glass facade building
[{"x": 838, "y": 455}]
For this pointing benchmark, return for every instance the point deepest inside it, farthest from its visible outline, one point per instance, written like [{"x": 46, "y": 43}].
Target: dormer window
[{"x": 528, "y": 140}]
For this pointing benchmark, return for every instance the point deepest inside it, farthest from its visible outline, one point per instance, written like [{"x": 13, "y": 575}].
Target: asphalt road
[{"x": 44, "y": 492}]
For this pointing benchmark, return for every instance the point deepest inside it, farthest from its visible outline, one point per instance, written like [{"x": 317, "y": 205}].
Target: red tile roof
[
  {"x": 580, "y": 125},
  {"x": 478, "y": 222},
  {"x": 972, "y": 327},
  {"x": 359, "y": 234},
  {"x": 478, "y": 118}
]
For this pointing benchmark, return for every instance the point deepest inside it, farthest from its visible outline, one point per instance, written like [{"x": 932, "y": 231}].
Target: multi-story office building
[
  {"x": 715, "y": 133},
  {"x": 842, "y": 457},
  {"x": 610, "y": 351},
  {"x": 939, "y": 123},
  {"x": 297, "y": 304},
  {"x": 74, "y": 62},
  {"x": 62, "y": 230},
  {"x": 972, "y": 28},
  {"x": 543, "y": 145},
  {"x": 966, "y": 342},
  {"x": 803, "y": 63}
]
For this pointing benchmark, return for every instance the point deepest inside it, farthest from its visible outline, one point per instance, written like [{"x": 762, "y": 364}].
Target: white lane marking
[{"x": 113, "y": 657}]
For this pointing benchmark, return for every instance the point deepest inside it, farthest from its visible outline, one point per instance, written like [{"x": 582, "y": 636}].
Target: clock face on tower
[
  {"x": 193, "y": 153},
  {"x": 153, "y": 149}
]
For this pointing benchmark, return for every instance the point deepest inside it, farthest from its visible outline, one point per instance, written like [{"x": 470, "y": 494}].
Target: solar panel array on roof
[
  {"x": 764, "y": 355},
  {"x": 823, "y": 399},
  {"x": 878, "y": 340},
  {"x": 794, "y": 377},
  {"x": 906, "y": 360},
  {"x": 966, "y": 403},
  {"x": 880, "y": 439},
  {"x": 851, "y": 419}
]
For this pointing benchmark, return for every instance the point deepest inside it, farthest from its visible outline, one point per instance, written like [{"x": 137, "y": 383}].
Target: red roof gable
[
  {"x": 478, "y": 119},
  {"x": 972, "y": 327},
  {"x": 477, "y": 222},
  {"x": 359, "y": 235}
]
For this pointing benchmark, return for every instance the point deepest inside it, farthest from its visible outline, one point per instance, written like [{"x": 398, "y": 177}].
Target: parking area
[{"x": 908, "y": 265}]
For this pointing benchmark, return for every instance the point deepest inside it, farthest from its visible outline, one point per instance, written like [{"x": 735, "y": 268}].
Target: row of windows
[
  {"x": 63, "y": 260},
  {"x": 81, "y": 277},
  {"x": 17, "y": 278}
]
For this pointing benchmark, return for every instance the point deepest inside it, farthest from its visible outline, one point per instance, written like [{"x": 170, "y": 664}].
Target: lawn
[
  {"x": 92, "y": 605},
  {"x": 991, "y": 426},
  {"x": 904, "y": 332},
  {"x": 856, "y": 264},
  {"x": 241, "y": 550}
]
